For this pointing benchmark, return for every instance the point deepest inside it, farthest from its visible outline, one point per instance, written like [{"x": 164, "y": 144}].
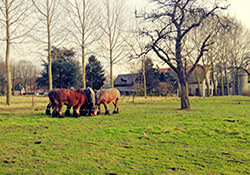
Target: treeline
[
  {"x": 65, "y": 69},
  {"x": 179, "y": 34}
]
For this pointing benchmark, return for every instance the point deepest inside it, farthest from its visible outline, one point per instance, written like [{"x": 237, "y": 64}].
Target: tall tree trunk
[
  {"x": 83, "y": 66},
  {"x": 184, "y": 91},
  {"x": 238, "y": 82},
  {"x": 233, "y": 84},
  {"x": 227, "y": 83},
  {"x": 182, "y": 75},
  {"x": 49, "y": 49},
  {"x": 144, "y": 77},
  {"x": 208, "y": 85},
  {"x": 83, "y": 47},
  {"x": 184, "y": 98},
  {"x": 8, "y": 95},
  {"x": 198, "y": 83},
  {"x": 111, "y": 74},
  {"x": 214, "y": 82},
  {"x": 179, "y": 88},
  {"x": 222, "y": 85}
]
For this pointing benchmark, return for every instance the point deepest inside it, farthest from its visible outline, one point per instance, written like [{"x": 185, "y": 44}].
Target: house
[
  {"x": 125, "y": 83},
  {"x": 199, "y": 74}
]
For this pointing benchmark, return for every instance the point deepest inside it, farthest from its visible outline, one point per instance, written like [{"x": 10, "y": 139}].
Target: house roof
[
  {"x": 126, "y": 79},
  {"x": 125, "y": 88},
  {"x": 192, "y": 79}
]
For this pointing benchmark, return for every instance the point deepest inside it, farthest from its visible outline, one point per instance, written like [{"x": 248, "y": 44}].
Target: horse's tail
[
  {"x": 48, "y": 108},
  {"x": 52, "y": 96}
]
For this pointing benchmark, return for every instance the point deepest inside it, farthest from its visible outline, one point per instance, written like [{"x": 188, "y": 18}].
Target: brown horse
[
  {"x": 106, "y": 96},
  {"x": 70, "y": 97},
  {"x": 87, "y": 109}
]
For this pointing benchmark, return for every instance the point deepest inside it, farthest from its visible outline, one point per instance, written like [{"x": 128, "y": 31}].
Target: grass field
[{"x": 148, "y": 137}]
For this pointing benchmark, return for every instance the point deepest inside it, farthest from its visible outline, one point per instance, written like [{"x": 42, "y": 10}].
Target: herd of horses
[{"x": 85, "y": 102}]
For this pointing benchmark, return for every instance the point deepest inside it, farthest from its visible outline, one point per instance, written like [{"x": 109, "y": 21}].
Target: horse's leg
[
  {"x": 60, "y": 110},
  {"x": 99, "y": 110},
  {"x": 106, "y": 108},
  {"x": 83, "y": 109},
  {"x": 67, "y": 112},
  {"x": 116, "y": 110},
  {"x": 55, "y": 113},
  {"x": 76, "y": 110},
  {"x": 48, "y": 108}
]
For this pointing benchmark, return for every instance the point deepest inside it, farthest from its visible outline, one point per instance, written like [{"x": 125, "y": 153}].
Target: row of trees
[
  {"x": 83, "y": 23},
  {"x": 186, "y": 32},
  {"x": 23, "y": 72},
  {"x": 65, "y": 69},
  {"x": 180, "y": 33}
]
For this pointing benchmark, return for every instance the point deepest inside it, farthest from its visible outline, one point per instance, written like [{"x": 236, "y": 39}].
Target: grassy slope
[{"x": 148, "y": 137}]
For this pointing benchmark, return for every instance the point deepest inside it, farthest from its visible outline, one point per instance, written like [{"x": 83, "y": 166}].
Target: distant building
[
  {"x": 125, "y": 83},
  {"x": 244, "y": 82},
  {"x": 198, "y": 74},
  {"x": 19, "y": 89}
]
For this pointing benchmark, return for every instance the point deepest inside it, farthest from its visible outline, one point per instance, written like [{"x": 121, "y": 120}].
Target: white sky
[{"x": 239, "y": 8}]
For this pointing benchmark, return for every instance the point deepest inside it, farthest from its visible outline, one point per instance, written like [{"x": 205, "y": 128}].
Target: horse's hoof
[
  {"x": 76, "y": 115},
  {"x": 115, "y": 112},
  {"x": 107, "y": 113},
  {"x": 61, "y": 116},
  {"x": 67, "y": 113},
  {"x": 47, "y": 112},
  {"x": 54, "y": 114}
]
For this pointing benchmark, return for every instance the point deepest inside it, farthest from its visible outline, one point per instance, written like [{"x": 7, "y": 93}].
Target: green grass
[{"x": 148, "y": 137}]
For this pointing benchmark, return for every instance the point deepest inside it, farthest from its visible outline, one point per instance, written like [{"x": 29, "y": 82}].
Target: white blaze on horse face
[{"x": 95, "y": 112}]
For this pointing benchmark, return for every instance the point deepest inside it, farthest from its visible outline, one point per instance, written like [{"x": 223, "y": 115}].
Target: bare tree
[
  {"x": 137, "y": 44},
  {"x": 26, "y": 71},
  {"x": 239, "y": 52},
  {"x": 209, "y": 57},
  {"x": 112, "y": 25},
  {"x": 13, "y": 16},
  {"x": 15, "y": 76},
  {"x": 82, "y": 15},
  {"x": 48, "y": 16},
  {"x": 170, "y": 25}
]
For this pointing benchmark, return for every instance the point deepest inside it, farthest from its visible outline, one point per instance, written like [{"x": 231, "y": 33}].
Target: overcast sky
[{"x": 239, "y": 8}]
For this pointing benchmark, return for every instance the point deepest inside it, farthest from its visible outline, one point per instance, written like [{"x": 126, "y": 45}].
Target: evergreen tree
[
  {"x": 151, "y": 76},
  {"x": 64, "y": 69},
  {"x": 94, "y": 73}
]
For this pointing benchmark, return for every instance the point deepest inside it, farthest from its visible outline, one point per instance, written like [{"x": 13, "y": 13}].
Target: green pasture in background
[{"x": 149, "y": 136}]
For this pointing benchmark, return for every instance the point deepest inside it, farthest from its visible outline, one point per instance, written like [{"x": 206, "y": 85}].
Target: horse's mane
[{"x": 99, "y": 93}]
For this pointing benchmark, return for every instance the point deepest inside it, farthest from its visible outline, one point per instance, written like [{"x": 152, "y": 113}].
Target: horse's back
[{"x": 113, "y": 94}]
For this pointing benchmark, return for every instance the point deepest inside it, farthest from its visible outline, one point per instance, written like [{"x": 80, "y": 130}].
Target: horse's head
[
  {"x": 91, "y": 99},
  {"x": 98, "y": 96}
]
